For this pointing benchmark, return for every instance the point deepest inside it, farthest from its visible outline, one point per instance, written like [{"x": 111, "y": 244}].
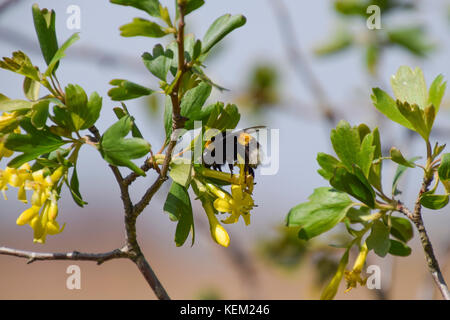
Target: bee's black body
[{"x": 229, "y": 147}]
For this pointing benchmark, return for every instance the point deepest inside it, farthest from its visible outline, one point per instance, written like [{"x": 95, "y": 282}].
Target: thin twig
[
  {"x": 177, "y": 120},
  {"x": 416, "y": 218},
  {"x": 135, "y": 252},
  {"x": 75, "y": 255}
]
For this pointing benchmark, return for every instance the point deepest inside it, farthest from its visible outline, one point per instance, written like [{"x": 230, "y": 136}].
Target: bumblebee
[{"x": 236, "y": 147}]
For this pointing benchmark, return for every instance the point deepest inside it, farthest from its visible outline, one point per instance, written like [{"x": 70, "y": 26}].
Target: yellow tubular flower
[
  {"x": 218, "y": 233},
  {"x": 57, "y": 175},
  {"x": 44, "y": 198},
  {"x": 331, "y": 289},
  {"x": 22, "y": 194},
  {"x": 354, "y": 277},
  {"x": 238, "y": 205},
  {"x": 53, "y": 210},
  {"x": 28, "y": 215},
  {"x": 3, "y": 183}
]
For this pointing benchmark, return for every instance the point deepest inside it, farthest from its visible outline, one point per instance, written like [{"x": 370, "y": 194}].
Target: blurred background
[{"x": 297, "y": 66}]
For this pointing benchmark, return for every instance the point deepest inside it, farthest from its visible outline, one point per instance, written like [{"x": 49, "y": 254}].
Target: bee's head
[{"x": 244, "y": 139}]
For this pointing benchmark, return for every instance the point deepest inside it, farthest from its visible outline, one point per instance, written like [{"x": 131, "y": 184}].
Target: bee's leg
[
  {"x": 231, "y": 168},
  {"x": 251, "y": 171}
]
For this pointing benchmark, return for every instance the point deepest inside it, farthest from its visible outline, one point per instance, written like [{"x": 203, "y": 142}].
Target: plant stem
[
  {"x": 132, "y": 245},
  {"x": 416, "y": 218},
  {"x": 433, "y": 265}
]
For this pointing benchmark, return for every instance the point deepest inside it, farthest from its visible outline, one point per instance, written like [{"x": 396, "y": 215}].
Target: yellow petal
[
  {"x": 39, "y": 230},
  {"x": 53, "y": 211},
  {"x": 220, "y": 235},
  {"x": 236, "y": 191},
  {"x": 222, "y": 205},
  {"x": 27, "y": 215},
  {"x": 38, "y": 176},
  {"x": 57, "y": 175},
  {"x": 22, "y": 194},
  {"x": 36, "y": 198},
  {"x": 231, "y": 219},
  {"x": 53, "y": 227}
]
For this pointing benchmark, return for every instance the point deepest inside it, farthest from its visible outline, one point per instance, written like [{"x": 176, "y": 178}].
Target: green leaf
[
  {"x": 228, "y": 118},
  {"x": 401, "y": 228},
  {"x": 331, "y": 289},
  {"x": 21, "y": 64},
  {"x": 387, "y": 106},
  {"x": 44, "y": 23},
  {"x": 192, "y": 5},
  {"x": 398, "y": 248},
  {"x": 398, "y": 174},
  {"x": 220, "y": 28},
  {"x": 122, "y": 112},
  {"x": 366, "y": 154},
  {"x": 94, "y": 107},
  {"x": 326, "y": 208},
  {"x": 194, "y": 99},
  {"x": 33, "y": 144},
  {"x": 434, "y": 201},
  {"x": 409, "y": 86},
  {"x": 149, "y": 6},
  {"x": 201, "y": 74},
  {"x": 444, "y": 171},
  {"x": 436, "y": 92},
  {"x": 414, "y": 39},
  {"x": 159, "y": 63},
  {"x": 181, "y": 171},
  {"x": 353, "y": 184},
  {"x": 127, "y": 90},
  {"x": 375, "y": 170},
  {"x": 76, "y": 101},
  {"x": 416, "y": 116},
  {"x": 328, "y": 165},
  {"x": 191, "y": 49},
  {"x": 378, "y": 240},
  {"x": 168, "y": 118},
  {"x": 61, "y": 53},
  {"x": 117, "y": 150},
  {"x": 359, "y": 215},
  {"x": 31, "y": 89},
  {"x": 79, "y": 112},
  {"x": 9, "y": 105},
  {"x": 39, "y": 113},
  {"x": 340, "y": 40},
  {"x": 178, "y": 206},
  {"x": 75, "y": 189},
  {"x": 397, "y": 157},
  {"x": 142, "y": 27},
  {"x": 346, "y": 143}
]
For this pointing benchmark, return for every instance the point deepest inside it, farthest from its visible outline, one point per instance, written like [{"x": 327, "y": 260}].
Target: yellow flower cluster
[
  {"x": 6, "y": 120},
  {"x": 43, "y": 200},
  {"x": 238, "y": 203}
]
